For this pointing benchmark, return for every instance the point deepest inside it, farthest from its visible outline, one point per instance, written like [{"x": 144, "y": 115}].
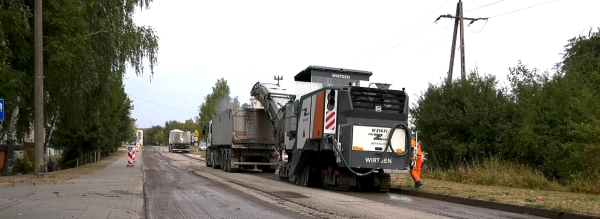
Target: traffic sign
[
  {"x": 196, "y": 133},
  {"x": 1, "y": 109}
]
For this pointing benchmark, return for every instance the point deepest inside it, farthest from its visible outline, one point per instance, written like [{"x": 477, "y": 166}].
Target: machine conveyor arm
[{"x": 273, "y": 99}]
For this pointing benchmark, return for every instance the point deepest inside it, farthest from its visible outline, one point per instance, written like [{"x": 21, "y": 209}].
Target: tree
[
  {"x": 548, "y": 122},
  {"x": 462, "y": 121},
  {"x": 87, "y": 46},
  {"x": 160, "y": 137},
  {"x": 216, "y": 101}
]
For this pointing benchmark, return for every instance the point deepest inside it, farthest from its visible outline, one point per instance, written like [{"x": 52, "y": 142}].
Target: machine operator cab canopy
[{"x": 316, "y": 77}]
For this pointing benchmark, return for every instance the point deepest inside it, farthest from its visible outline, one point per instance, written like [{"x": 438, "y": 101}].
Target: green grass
[{"x": 497, "y": 172}]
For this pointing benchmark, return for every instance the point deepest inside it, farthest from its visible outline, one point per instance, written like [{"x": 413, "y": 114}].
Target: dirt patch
[
  {"x": 564, "y": 201},
  {"x": 195, "y": 151}
]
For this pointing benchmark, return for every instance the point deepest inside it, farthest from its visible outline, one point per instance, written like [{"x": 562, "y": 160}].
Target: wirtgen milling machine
[{"x": 335, "y": 135}]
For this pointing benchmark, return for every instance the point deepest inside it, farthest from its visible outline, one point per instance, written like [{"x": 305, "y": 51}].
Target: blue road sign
[{"x": 1, "y": 109}]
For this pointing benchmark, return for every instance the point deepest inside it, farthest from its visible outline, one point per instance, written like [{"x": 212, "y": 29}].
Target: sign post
[{"x": 2, "y": 110}]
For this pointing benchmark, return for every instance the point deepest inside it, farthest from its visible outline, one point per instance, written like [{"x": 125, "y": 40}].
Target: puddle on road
[{"x": 395, "y": 197}]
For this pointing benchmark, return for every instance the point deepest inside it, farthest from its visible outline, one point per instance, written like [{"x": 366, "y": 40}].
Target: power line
[
  {"x": 162, "y": 105},
  {"x": 402, "y": 42},
  {"x": 481, "y": 27},
  {"x": 402, "y": 31},
  {"x": 433, "y": 44},
  {"x": 510, "y": 12},
  {"x": 484, "y": 6}
]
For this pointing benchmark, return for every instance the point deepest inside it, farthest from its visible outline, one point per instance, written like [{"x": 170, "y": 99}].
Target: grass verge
[
  {"x": 505, "y": 182},
  {"x": 63, "y": 175}
]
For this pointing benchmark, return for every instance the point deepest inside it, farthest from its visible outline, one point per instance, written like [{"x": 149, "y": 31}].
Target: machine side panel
[
  {"x": 330, "y": 109},
  {"x": 373, "y": 138},
  {"x": 304, "y": 123},
  {"x": 317, "y": 127}
]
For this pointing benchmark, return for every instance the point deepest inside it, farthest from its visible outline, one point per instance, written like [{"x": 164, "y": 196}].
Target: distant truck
[
  {"x": 240, "y": 138},
  {"x": 179, "y": 141}
]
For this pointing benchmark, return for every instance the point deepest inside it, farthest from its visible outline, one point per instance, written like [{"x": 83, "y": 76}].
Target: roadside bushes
[
  {"x": 549, "y": 123},
  {"x": 463, "y": 121}
]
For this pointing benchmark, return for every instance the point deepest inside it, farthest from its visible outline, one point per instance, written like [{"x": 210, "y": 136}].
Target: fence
[{"x": 92, "y": 157}]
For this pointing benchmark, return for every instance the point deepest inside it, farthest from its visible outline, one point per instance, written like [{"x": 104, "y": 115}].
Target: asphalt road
[
  {"x": 174, "y": 193},
  {"x": 181, "y": 187}
]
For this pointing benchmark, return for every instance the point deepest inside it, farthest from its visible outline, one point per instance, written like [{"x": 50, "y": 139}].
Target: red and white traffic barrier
[
  {"x": 130, "y": 156},
  {"x": 137, "y": 146}
]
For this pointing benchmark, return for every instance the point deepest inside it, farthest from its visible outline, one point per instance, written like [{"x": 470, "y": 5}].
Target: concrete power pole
[
  {"x": 449, "y": 80},
  {"x": 38, "y": 126},
  {"x": 463, "y": 74},
  {"x": 458, "y": 19}
]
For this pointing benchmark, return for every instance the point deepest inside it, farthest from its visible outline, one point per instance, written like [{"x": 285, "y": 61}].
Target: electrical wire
[
  {"x": 481, "y": 27},
  {"x": 433, "y": 44},
  {"x": 510, "y": 12},
  {"x": 443, "y": 28},
  {"x": 402, "y": 42},
  {"x": 402, "y": 31},
  {"x": 484, "y": 6},
  {"x": 162, "y": 105}
]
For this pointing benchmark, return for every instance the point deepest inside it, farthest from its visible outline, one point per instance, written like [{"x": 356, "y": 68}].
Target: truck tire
[
  {"x": 229, "y": 169},
  {"x": 207, "y": 158},
  {"x": 214, "y": 164},
  {"x": 224, "y": 161}
]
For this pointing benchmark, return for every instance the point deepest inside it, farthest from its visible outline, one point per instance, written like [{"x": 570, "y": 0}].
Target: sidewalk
[{"x": 113, "y": 192}]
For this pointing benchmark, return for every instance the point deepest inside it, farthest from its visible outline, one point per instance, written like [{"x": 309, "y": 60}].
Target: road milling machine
[{"x": 338, "y": 134}]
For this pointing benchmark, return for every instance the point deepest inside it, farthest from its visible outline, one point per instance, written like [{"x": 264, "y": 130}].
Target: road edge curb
[{"x": 495, "y": 205}]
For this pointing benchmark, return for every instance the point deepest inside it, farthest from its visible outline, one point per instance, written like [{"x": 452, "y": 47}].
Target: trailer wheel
[
  {"x": 223, "y": 161},
  {"x": 207, "y": 158},
  {"x": 229, "y": 169},
  {"x": 214, "y": 164}
]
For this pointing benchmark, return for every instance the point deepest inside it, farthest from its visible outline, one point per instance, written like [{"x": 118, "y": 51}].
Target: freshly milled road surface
[
  {"x": 174, "y": 193},
  {"x": 178, "y": 186}
]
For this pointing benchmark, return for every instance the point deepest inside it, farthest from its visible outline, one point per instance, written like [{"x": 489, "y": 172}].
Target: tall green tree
[
  {"x": 216, "y": 101},
  {"x": 550, "y": 122},
  {"x": 87, "y": 47},
  {"x": 462, "y": 121}
]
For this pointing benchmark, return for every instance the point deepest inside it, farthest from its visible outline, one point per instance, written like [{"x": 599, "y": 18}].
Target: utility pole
[
  {"x": 458, "y": 19},
  {"x": 463, "y": 74},
  {"x": 278, "y": 78},
  {"x": 38, "y": 125}
]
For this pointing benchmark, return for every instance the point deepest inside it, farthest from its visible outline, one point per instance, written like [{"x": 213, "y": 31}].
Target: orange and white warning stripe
[{"x": 330, "y": 120}]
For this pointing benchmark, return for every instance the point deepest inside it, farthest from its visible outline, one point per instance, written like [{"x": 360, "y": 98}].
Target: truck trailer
[
  {"x": 179, "y": 141},
  {"x": 240, "y": 138},
  {"x": 338, "y": 134}
]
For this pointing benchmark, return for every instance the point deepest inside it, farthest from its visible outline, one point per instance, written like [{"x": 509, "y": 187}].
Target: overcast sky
[{"x": 249, "y": 41}]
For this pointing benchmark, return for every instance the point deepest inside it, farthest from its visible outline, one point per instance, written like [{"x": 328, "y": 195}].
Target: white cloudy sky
[{"x": 249, "y": 41}]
